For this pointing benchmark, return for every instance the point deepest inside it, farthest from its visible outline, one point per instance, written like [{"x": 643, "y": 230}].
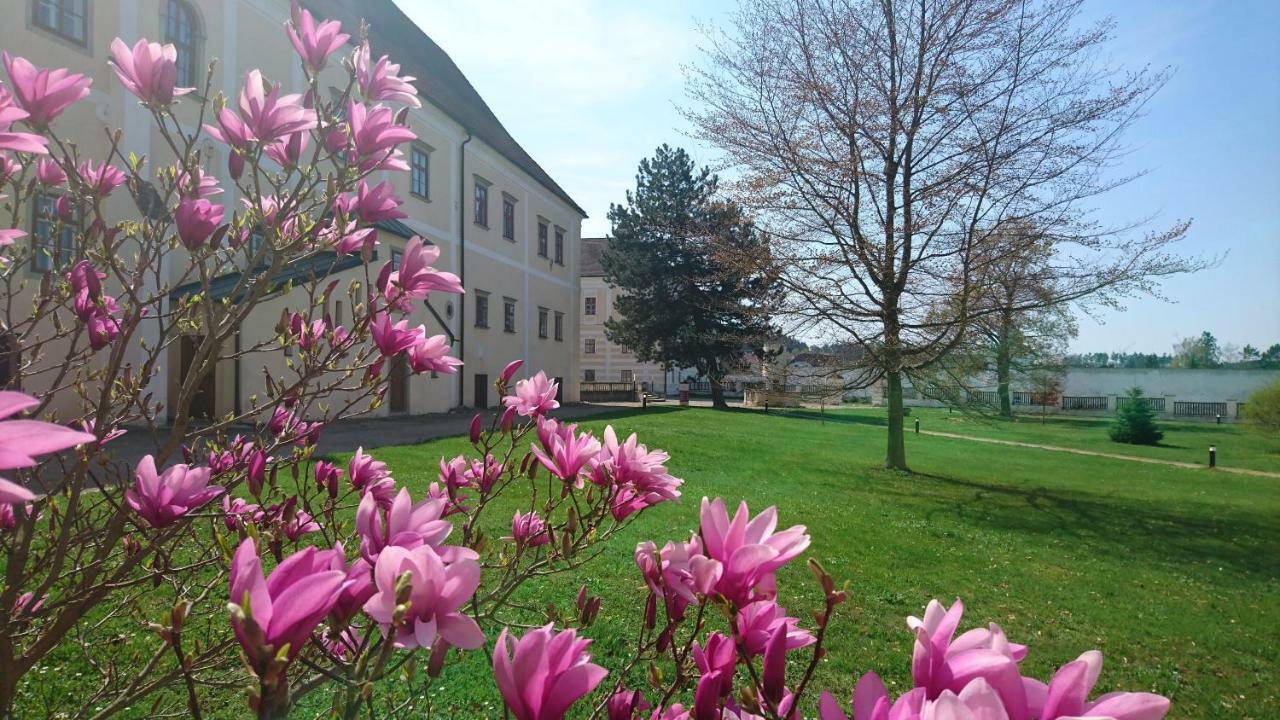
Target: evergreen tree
[
  {"x": 1135, "y": 421},
  {"x": 689, "y": 297}
]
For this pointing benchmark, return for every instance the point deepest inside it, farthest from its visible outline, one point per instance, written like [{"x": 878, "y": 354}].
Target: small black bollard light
[
  {"x": 1213, "y": 456},
  {"x": 766, "y": 407},
  {"x": 1219, "y": 418},
  {"x": 917, "y": 426},
  {"x": 644, "y": 402}
]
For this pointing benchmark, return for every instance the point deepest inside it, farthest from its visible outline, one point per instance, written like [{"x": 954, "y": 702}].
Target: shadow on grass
[
  {"x": 1184, "y": 536},
  {"x": 842, "y": 418}
]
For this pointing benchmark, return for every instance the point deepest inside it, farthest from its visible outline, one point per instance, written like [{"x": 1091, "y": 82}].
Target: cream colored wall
[
  {"x": 492, "y": 263},
  {"x": 609, "y": 359}
]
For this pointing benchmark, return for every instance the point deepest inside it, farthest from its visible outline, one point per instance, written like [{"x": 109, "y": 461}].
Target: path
[{"x": 1094, "y": 453}]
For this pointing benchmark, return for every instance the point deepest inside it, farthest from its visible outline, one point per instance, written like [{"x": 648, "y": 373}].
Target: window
[
  {"x": 560, "y": 326},
  {"x": 508, "y": 217},
  {"x": 509, "y": 314},
  {"x": 543, "y": 318},
  {"x": 589, "y": 375},
  {"x": 559, "y": 246},
  {"x": 10, "y": 359},
  {"x": 53, "y": 242},
  {"x": 590, "y": 308},
  {"x": 624, "y": 350},
  {"x": 68, "y": 19},
  {"x": 420, "y": 171},
  {"x": 628, "y": 376},
  {"x": 182, "y": 28},
  {"x": 543, "y": 228},
  {"x": 482, "y": 203},
  {"x": 397, "y": 256},
  {"x": 337, "y": 312},
  {"x": 589, "y": 346},
  {"x": 482, "y": 309}
]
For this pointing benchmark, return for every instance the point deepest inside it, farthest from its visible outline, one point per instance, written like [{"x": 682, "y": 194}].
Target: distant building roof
[
  {"x": 592, "y": 249},
  {"x": 817, "y": 359},
  {"x": 439, "y": 80}
]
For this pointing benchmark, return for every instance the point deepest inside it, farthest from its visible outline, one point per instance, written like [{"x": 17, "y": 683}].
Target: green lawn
[
  {"x": 1173, "y": 573},
  {"x": 1238, "y": 445}
]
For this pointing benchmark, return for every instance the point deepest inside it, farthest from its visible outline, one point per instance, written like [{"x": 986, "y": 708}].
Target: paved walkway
[{"x": 1113, "y": 456}]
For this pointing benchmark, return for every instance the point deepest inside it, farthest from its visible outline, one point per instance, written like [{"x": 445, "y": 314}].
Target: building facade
[
  {"x": 501, "y": 223},
  {"x": 600, "y": 360}
]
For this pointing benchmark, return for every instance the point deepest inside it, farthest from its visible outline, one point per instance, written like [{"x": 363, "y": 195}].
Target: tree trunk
[
  {"x": 1002, "y": 381},
  {"x": 717, "y": 394},
  {"x": 896, "y": 456},
  {"x": 1003, "y": 365}
]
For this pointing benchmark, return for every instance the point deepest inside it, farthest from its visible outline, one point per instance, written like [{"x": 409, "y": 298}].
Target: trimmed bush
[{"x": 1135, "y": 421}]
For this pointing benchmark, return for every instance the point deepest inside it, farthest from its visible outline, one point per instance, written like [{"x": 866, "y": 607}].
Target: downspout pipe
[{"x": 462, "y": 268}]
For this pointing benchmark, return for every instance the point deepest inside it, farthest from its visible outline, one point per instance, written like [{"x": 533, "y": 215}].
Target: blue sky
[{"x": 591, "y": 86}]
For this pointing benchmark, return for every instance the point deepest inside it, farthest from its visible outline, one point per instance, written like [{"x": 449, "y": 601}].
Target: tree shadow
[{"x": 1182, "y": 536}]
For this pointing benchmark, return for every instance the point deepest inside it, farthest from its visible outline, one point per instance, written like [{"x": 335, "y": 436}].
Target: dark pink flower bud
[
  {"x": 256, "y": 471},
  {"x": 62, "y": 208},
  {"x": 474, "y": 432},
  {"x": 509, "y": 371},
  {"x": 235, "y": 165},
  {"x": 508, "y": 417}
]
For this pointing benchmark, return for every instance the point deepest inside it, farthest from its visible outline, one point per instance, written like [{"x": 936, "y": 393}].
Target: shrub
[
  {"x": 1135, "y": 421},
  {"x": 1262, "y": 409}
]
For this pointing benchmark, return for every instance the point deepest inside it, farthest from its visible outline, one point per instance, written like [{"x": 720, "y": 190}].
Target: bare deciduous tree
[{"x": 884, "y": 144}]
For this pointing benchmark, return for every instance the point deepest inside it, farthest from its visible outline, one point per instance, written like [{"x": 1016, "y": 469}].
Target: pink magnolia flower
[
  {"x": 371, "y": 476},
  {"x": 289, "y": 150},
  {"x": 379, "y": 80},
  {"x": 544, "y": 673},
  {"x": 748, "y": 549},
  {"x": 715, "y": 661},
  {"x": 237, "y": 511},
  {"x": 482, "y": 474},
  {"x": 49, "y": 172},
  {"x": 91, "y": 426},
  {"x": 327, "y": 477},
  {"x": 162, "y": 498},
  {"x": 535, "y": 396},
  {"x": 97, "y": 310},
  {"x": 528, "y": 530},
  {"x": 373, "y": 137},
  {"x": 196, "y": 184},
  {"x": 315, "y": 42},
  {"x": 404, "y": 523},
  {"x": 372, "y": 204},
  {"x": 100, "y": 179},
  {"x": 17, "y": 141},
  {"x": 22, "y": 440},
  {"x": 624, "y": 704},
  {"x": 393, "y": 338},
  {"x": 563, "y": 451},
  {"x": 1066, "y": 697},
  {"x": 262, "y": 115},
  {"x": 148, "y": 70},
  {"x": 438, "y": 592},
  {"x": 196, "y": 220},
  {"x": 358, "y": 590},
  {"x": 416, "y": 278},
  {"x": 104, "y": 326},
  {"x": 681, "y": 574},
  {"x": 453, "y": 473},
  {"x": 757, "y": 622},
  {"x": 44, "y": 94},
  {"x": 268, "y": 613},
  {"x": 976, "y": 701},
  {"x": 431, "y": 354},
  {"x": 639, "y": 476},
  {"x": 347, "y": 238},
  {"x": 306, "y": 334},
  {"x": 941, "y": 661}
]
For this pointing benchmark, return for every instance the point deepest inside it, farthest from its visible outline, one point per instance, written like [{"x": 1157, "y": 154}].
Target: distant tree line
[{"x": 1200, "y": 351}]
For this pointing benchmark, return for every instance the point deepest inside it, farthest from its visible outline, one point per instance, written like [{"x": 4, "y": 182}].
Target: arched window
[{"x": 182, "y": 28}]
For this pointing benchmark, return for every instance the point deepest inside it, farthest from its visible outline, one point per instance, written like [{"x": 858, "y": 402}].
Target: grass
[
  {"x": 1238, "y": 445},
  {"x": 1173, "y": 573}
]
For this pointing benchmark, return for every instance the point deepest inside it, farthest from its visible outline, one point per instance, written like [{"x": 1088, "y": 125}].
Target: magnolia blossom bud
[{"x": 475, "y": 429}]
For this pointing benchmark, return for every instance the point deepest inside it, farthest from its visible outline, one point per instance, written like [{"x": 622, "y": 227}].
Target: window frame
[
  {"x": 544, "y": 322},
  {"x": 194, "y": 43},
  {"x": 589, "y": 306},
  {"x": 559, "y": 248},
  {"x": 60, "y": 13},
  {"x": 544, "y": 232},
  {"x": 559, "y": 326},
  {"x": 482, "y": 309},
  {"x": 66, "y": 240},
  {"x": 509, "y": 315},
  {"x": 508, "y": 217},
  {"x": 589, "y": 375},
  {"x": 423, "y": 150},
  {"x": 480, "y": 202},
  {"x": 589, "y": 346}
]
